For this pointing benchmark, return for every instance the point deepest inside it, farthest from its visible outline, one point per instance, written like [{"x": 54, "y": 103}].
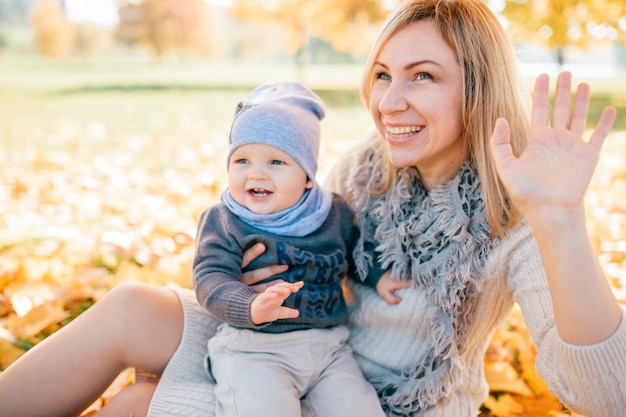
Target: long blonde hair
[{"x": 492, "y": 88}]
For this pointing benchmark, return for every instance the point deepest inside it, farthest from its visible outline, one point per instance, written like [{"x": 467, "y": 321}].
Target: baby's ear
[{"x": 309, "y": 184}]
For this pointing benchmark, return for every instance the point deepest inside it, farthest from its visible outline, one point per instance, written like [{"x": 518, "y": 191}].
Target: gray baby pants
[{"x": 308, "y": 373}]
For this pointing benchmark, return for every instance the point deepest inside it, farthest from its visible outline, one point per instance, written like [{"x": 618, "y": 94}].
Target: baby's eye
[
  {"x": 277, "y": 162},
  {"x": 240, "y": 161}
]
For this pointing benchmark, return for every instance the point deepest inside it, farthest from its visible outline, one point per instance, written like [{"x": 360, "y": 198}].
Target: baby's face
[{"x": 265, "y": 179}]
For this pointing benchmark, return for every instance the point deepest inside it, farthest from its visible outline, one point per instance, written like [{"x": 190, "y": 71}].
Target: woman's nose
[{"x": 393, "y": 99}]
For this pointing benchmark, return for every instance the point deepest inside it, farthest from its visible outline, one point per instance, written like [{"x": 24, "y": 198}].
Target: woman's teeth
[{"x": 403, "y": 130}]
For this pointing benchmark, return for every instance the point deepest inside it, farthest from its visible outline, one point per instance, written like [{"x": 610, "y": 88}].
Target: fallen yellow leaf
[
  {"x": 502, "y": 377},
  {"x": 503, "y": 406},
  {"x": 37, "y": 319},
  {"x": 9, "y": 353}
]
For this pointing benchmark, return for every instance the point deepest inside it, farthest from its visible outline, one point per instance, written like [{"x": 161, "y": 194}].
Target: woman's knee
[
  {"x": 151, "y": 320},
  {"x": 129, "y": 295},
  {"x": 137, "y": 300}
]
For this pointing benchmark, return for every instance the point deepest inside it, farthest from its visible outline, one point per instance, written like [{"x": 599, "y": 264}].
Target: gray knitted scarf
[{"x": 439, "y": 240}]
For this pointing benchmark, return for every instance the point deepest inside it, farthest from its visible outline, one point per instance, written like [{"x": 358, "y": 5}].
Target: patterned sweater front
[{"x": 320, "y": 259}]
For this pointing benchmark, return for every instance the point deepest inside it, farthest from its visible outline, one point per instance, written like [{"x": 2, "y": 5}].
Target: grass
[{"x": 162, "y": 103}]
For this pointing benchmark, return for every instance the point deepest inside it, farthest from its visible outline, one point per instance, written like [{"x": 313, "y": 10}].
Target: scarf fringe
[{"x": 439, "y": 240}]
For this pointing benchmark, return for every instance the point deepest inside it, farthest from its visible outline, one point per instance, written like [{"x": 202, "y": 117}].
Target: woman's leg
[
  {"x": 133, "y": 400},
  {"x": 133, "y": 325}
]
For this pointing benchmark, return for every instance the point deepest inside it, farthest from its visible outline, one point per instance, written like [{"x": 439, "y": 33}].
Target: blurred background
[{"x": 114, "y": 116}]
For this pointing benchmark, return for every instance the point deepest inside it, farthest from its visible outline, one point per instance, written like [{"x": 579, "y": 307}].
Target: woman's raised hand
[{"x": 556, "y": 167}]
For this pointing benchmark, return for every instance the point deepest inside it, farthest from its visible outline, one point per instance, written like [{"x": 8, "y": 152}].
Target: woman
[{"x": 461, "y": 197}]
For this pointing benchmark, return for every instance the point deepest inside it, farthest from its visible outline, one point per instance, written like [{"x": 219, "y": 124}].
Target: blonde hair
[{"x": 492, "y": 88}]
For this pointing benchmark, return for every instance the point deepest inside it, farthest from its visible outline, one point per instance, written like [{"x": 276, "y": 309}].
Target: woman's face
[{"x": 416, "y": 102}]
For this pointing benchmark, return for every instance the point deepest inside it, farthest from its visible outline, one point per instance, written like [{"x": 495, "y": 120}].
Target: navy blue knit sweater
[{"x": 320, "y": 259}]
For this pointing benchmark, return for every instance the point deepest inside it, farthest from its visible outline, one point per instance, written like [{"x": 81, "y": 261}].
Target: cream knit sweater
[{"x": 590, "y": 380}]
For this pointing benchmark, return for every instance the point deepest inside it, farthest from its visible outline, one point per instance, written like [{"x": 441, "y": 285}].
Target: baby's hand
[
  {"x": 267, "y": 306},
  {"x": 387, "y": 287}
]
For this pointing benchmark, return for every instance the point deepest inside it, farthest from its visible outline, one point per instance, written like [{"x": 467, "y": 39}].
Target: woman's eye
[
  {"x": 383, "y": 76},
  {"x": 423, "y": 76}
]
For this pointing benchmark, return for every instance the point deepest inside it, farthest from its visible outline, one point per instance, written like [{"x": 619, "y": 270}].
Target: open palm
[{"x": 557, "y": 164}]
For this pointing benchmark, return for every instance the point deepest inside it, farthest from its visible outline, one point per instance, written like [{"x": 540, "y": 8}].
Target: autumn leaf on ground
[
  {"x": 37, "y": 319},
  {"x": 9, "y": 353},
  {"x": 123, "y": 380},
  {"x": 502, "y": 377},
  {"x": 503, "y": 406}
]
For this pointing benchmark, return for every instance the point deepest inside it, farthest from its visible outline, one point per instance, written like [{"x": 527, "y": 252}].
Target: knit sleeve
[
  {"x": 217, "y": 270},
  {"x": 374, "y": 271},
  {"x": 591, "y": 379}
]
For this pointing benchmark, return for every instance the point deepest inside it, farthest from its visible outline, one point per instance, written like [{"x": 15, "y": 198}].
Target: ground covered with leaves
[{"x": 86, "y": 205}]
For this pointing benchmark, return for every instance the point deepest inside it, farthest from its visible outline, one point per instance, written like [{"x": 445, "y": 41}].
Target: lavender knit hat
[{"x": 282, "y": 114}]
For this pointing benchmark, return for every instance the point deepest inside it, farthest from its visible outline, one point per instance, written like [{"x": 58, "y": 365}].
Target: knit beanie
[{"x": 282, "y": 114}]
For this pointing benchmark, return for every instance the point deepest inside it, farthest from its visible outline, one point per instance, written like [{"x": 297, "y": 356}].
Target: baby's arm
[
  {"x": 267, "y": 306},
  {"x": 387, "y": 286}
]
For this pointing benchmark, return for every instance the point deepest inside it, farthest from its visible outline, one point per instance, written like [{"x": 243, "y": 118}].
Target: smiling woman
[{"x": 507, "y": 227}]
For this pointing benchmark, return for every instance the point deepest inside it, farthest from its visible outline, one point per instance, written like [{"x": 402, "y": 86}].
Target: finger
[
  {"x": 581, "y": 109},
  {"x": 265, "y": 285},
  {"x": 603, "y": 128},
  {"x": 288, "y": 313},
  {"x": 562, "y": 98},
  {"x": 252, "y": 253},
  {"x": 390, "y": 297},
  {"x": 284, "y": 289},
  {"x": 280, "y": 290},
  {"x": 541, "y": 101},
  {"x": 403, "y": 284},
  {"x": 501, "y": 142},
  {"x": 252, "y": 277},
  {"x": 383, "y": 292}
]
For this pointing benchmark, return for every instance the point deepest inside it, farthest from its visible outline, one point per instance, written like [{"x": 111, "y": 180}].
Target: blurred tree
[
  {"x": 166, "y": 26},
  {"x": 54, "y": 33},
  {"x": 346, "y": 25},
  {"x": 561, "y": 23},
  {"x": 92, "y": 40}
]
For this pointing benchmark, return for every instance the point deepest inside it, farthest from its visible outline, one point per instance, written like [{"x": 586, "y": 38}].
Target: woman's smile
[{"x": 399, "y": 135}]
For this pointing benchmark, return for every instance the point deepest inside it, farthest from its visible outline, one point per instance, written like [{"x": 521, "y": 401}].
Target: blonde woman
[{"x": 466, "y": 198}]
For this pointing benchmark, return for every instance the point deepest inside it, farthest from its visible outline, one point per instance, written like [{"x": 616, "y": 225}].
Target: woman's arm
[{"x": 549, "y": 181}]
